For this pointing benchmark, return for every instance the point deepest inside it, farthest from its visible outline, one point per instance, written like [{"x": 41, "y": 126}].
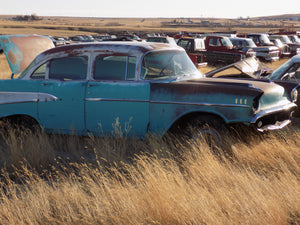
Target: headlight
[{"x": 294, "y": 94}]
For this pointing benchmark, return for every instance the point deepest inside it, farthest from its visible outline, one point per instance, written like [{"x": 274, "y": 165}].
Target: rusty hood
[
  {"x": 250, "y": 67},
  {"x": 20, "y": 50}
]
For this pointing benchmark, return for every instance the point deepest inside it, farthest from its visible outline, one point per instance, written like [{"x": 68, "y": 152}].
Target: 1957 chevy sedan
[{"x": 147, "y": 87}]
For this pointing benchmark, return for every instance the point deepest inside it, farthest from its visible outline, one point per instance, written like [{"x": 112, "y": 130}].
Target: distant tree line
[{"x": 31, "y": 17}]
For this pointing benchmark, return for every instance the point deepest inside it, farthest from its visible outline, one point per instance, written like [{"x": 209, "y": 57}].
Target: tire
[
  {"x": 21, "y": 124},
  {"x": 211, "y": 130}
]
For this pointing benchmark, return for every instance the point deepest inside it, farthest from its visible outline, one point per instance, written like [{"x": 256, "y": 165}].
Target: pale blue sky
[{"x": 150, "y": 8}]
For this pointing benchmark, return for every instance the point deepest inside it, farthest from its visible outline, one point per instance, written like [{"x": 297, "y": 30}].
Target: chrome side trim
[
  {"x": 167, "y": 102},
  {"x": 7, "y": 97},
  {"x": 114, "y": 100}
]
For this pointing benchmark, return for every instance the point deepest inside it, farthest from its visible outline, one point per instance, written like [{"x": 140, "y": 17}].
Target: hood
[
  {"x": 20, "y": 50},
  {"x": 221, "y": 91},
  {"x": 250, "y": 67}
]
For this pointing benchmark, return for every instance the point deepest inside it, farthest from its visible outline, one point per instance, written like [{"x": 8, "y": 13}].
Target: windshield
[
  {"x": 168, "y": 65},
  {"x": 276, "y": 75},
  {"x": 250, "y": 43},
  {"x": 278, "y": 43},
  {"x": 226, "y": 42},
  {"x": 285, "y": 39},
  {"x": 295, "y": 39},
  {"x": 265, "y": 39}
]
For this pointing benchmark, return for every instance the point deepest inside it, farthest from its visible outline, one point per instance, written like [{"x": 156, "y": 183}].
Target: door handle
[
  {"x": 93, "y": 85},
  {"x": 46, "y": 84}
]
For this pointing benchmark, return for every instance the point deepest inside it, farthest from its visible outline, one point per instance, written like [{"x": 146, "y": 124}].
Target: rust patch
[{"x": 12, "y": 57}]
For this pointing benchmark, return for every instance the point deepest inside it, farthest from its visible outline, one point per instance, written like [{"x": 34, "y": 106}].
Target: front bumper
[{"x": 274, "y": 118}]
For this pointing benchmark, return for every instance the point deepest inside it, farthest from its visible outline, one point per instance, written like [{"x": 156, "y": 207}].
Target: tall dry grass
[{"x": 143, "y": 182}]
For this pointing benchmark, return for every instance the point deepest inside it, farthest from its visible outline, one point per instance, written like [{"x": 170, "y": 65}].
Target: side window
[
  {"x": 114, "y": 68},
  {"x": 39, "y": 73},
  {"x": 184, "y": 44},
  {"x": 214, "y": 42},
  {"x": 296, "y": 70},
  {"x": 69, "y": 68}
]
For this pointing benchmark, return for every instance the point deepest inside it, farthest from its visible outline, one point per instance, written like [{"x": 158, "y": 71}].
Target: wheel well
[
  {"x": 185, "y": 120},
  {"x": 21, "y": 120}
]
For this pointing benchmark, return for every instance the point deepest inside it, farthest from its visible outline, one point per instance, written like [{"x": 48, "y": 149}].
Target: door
[
  {"x": 117, "y": 104},
  {"x": 67, "y": 82}
]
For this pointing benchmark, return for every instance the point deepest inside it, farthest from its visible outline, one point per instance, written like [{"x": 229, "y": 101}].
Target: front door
[{"x": 67, "y": 82}]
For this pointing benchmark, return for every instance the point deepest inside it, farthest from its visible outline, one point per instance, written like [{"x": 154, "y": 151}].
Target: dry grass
[
  {"x": 5, "y": 71},
  {"x": 259, "y": 185},
  {"x": 66, "y": 26}
]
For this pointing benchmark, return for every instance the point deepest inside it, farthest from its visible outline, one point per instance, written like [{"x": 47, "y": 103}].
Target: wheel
[
  {"x": 20, "y": 124},
  {"x": 210, "y": 129}
]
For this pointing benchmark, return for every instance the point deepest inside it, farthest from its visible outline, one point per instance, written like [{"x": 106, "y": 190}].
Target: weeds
[{"x": 127, "y": 181}]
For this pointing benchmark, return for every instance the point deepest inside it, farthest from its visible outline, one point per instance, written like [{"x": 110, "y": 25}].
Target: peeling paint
[{"x": 20, "y": 50}]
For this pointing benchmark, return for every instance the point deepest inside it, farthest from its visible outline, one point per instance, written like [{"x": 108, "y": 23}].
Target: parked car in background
[
  {"x": 262, "y": 39},
  {"x": 75, "y": 39},
  {"x": 58, "y": 41},
  {"x": 294, "y": 38},
  {"x": 265, "y": 53},
  {"x": 124, "y": 37},
  {"x": 195, "y": 48},
  {"x": 220, "y": 50},
  {"x": 101, "y": 37},
  {"x": 145, "y": 87},
  {"x": 88, "y": 38},
  {"x": 294, "y": 48},
  {"x": 284, "y": 49},
  {"x": 289, "y": 74},
  {"x": 162, "y": 39}
]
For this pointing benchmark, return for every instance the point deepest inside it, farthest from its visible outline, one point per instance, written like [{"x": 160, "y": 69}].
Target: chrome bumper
[{"x": 274, "y": 118}]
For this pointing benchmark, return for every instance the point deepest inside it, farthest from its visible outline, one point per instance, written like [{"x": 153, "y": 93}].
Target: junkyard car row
[{"x": 145, "y": 86}]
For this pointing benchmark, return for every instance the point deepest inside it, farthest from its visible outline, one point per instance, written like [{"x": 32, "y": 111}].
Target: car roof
[
  {"x": 113, "y": 46},
  {"x": 240, "y": 38}
]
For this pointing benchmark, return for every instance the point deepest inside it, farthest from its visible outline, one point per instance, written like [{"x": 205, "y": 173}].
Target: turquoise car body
[{"x": 139, "y": 87}]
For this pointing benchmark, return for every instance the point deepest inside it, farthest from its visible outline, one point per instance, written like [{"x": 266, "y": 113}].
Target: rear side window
[
  {"x": 68, "y": 68},
  {"x": 114, "y": 68}
]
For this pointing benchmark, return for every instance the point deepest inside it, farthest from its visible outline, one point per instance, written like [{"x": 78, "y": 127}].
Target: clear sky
[{"x": 150, "y": 8}]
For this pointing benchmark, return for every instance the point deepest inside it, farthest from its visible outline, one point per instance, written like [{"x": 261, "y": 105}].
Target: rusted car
[{"x": 143, "y": 87}]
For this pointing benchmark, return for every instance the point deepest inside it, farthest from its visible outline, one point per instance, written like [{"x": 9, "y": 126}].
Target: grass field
[
  {"x": 58, "y": 179},
  {"x": 68, "y": 26}
]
